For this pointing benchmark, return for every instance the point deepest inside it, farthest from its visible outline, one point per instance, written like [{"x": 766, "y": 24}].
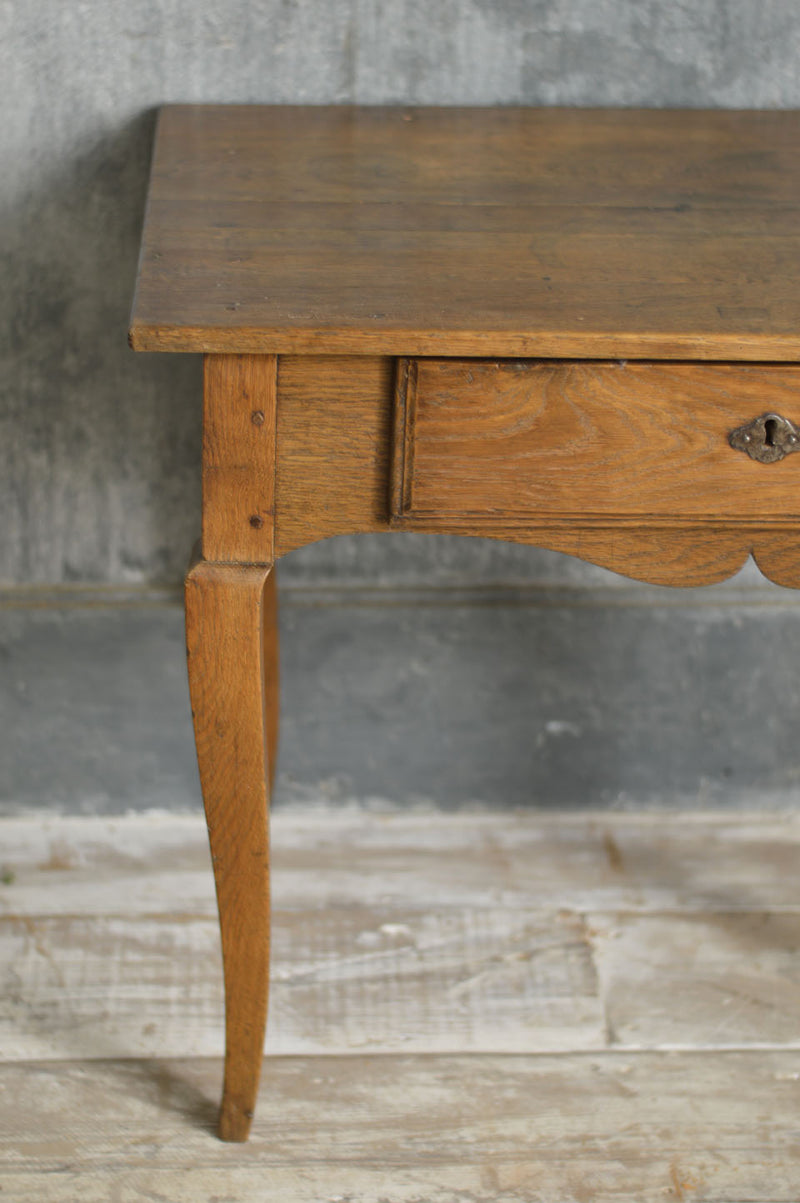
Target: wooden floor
[{"x": 465, "y": 1008}]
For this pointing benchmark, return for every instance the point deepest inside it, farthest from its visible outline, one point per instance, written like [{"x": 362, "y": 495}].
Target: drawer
[{"x": 492, "y": 443}]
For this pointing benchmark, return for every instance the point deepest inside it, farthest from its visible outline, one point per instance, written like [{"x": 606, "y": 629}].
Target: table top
[{"x": 615, "y": 233}]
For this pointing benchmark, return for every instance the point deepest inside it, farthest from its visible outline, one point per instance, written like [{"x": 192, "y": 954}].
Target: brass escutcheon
[{"x": 766, "y": 439}]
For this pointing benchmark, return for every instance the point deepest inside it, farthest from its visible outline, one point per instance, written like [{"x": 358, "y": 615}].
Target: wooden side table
[{"x": 576, "y": 329}]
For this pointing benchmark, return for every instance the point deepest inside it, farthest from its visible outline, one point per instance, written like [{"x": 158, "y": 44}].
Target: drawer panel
[{"x": 504, "y": 442}]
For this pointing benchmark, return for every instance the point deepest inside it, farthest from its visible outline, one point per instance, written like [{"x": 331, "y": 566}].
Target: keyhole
[{"x": 770, "y": 430}]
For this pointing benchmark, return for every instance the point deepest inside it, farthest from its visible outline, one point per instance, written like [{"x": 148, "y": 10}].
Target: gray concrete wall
[
  {"x": 602, "y": 697},
  {"x": 98, "y": 447},
  {"x": 492, "y": 698}
]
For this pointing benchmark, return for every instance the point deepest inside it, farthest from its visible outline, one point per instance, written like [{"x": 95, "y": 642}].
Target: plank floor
[{"x": 465, "y": 1007}]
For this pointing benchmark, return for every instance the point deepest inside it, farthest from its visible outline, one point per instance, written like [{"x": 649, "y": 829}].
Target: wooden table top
[{"x": 502, "y": 232}]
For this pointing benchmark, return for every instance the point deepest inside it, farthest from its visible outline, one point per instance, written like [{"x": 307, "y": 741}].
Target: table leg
[{"x": 232, "y": 650}]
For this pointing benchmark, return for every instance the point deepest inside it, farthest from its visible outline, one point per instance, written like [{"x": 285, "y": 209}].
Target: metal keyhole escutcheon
[{"x": 766, "y": 439}]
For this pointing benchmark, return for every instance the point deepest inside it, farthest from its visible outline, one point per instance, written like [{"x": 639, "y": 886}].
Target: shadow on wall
[{"x": 106, "y": 481}]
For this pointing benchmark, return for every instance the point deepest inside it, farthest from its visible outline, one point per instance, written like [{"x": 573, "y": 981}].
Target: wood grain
[
  {"x": 240, "y": 397},
  {"x": 231, "y": 645},
  {"x": 409, "y": 933},
  {"x": 346, "y": 980},
  {"x": 394, "y": 978},
  {"x": 499, "y": 232},
  {"x": 721, "y": 979},
  {"x": 689, "y": 919},
  {"x": 578, "y": 442},
  {"x": 156, "y": 865},
  {"x": 335, "y": 432},
  {"x": 270, "y": 673},
  {"x": 654, "y": 1128},
  {"x": 657, "y": 1128}
]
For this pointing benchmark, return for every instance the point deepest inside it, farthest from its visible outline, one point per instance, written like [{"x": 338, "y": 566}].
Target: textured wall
[
  {"x": 523, "y": 697},
  {"x": 98, "y": 448}
]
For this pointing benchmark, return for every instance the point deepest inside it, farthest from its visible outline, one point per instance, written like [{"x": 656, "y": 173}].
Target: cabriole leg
[{"x": 232, "y": 650}]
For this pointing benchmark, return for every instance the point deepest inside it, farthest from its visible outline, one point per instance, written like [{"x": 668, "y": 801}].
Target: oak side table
[{"x": 571, "y": 328}]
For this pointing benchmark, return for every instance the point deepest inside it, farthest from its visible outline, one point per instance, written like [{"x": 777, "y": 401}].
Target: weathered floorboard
[
  {"x": 351, "y": 980},
  {"x": 159, "y": 863},
  {"x": 592, "y": 1128},
  {"x": 553, "y": 953},
  {"x": 424, "y": 933},
  {"x": 714, "y": 980},
  {"x": 345, "y": 980}
]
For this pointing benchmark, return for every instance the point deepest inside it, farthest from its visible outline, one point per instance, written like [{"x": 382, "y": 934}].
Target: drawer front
[{"x": 538, "y": 442}]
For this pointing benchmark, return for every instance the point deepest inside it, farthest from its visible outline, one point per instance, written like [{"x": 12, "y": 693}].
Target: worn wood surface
[
  {"x": 400, "y": 980},
  {"x": 240, "y": 397},
  {"x": 397, "y": 933},
  {"x": 647, "y": 863},
  {"x": 592, "y": 1128},
  {"x": 335, "y": 418},
  {"x": 581, "y": 442},
  {"x": 502, "y": 232},
  {"x": 270, "y": 674},
  {"x": 232, "y": 651},
  {"x": 511, "y": 232},
  {"x": 334, "y": 427},
  {"x": 397, "y": 937}
]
